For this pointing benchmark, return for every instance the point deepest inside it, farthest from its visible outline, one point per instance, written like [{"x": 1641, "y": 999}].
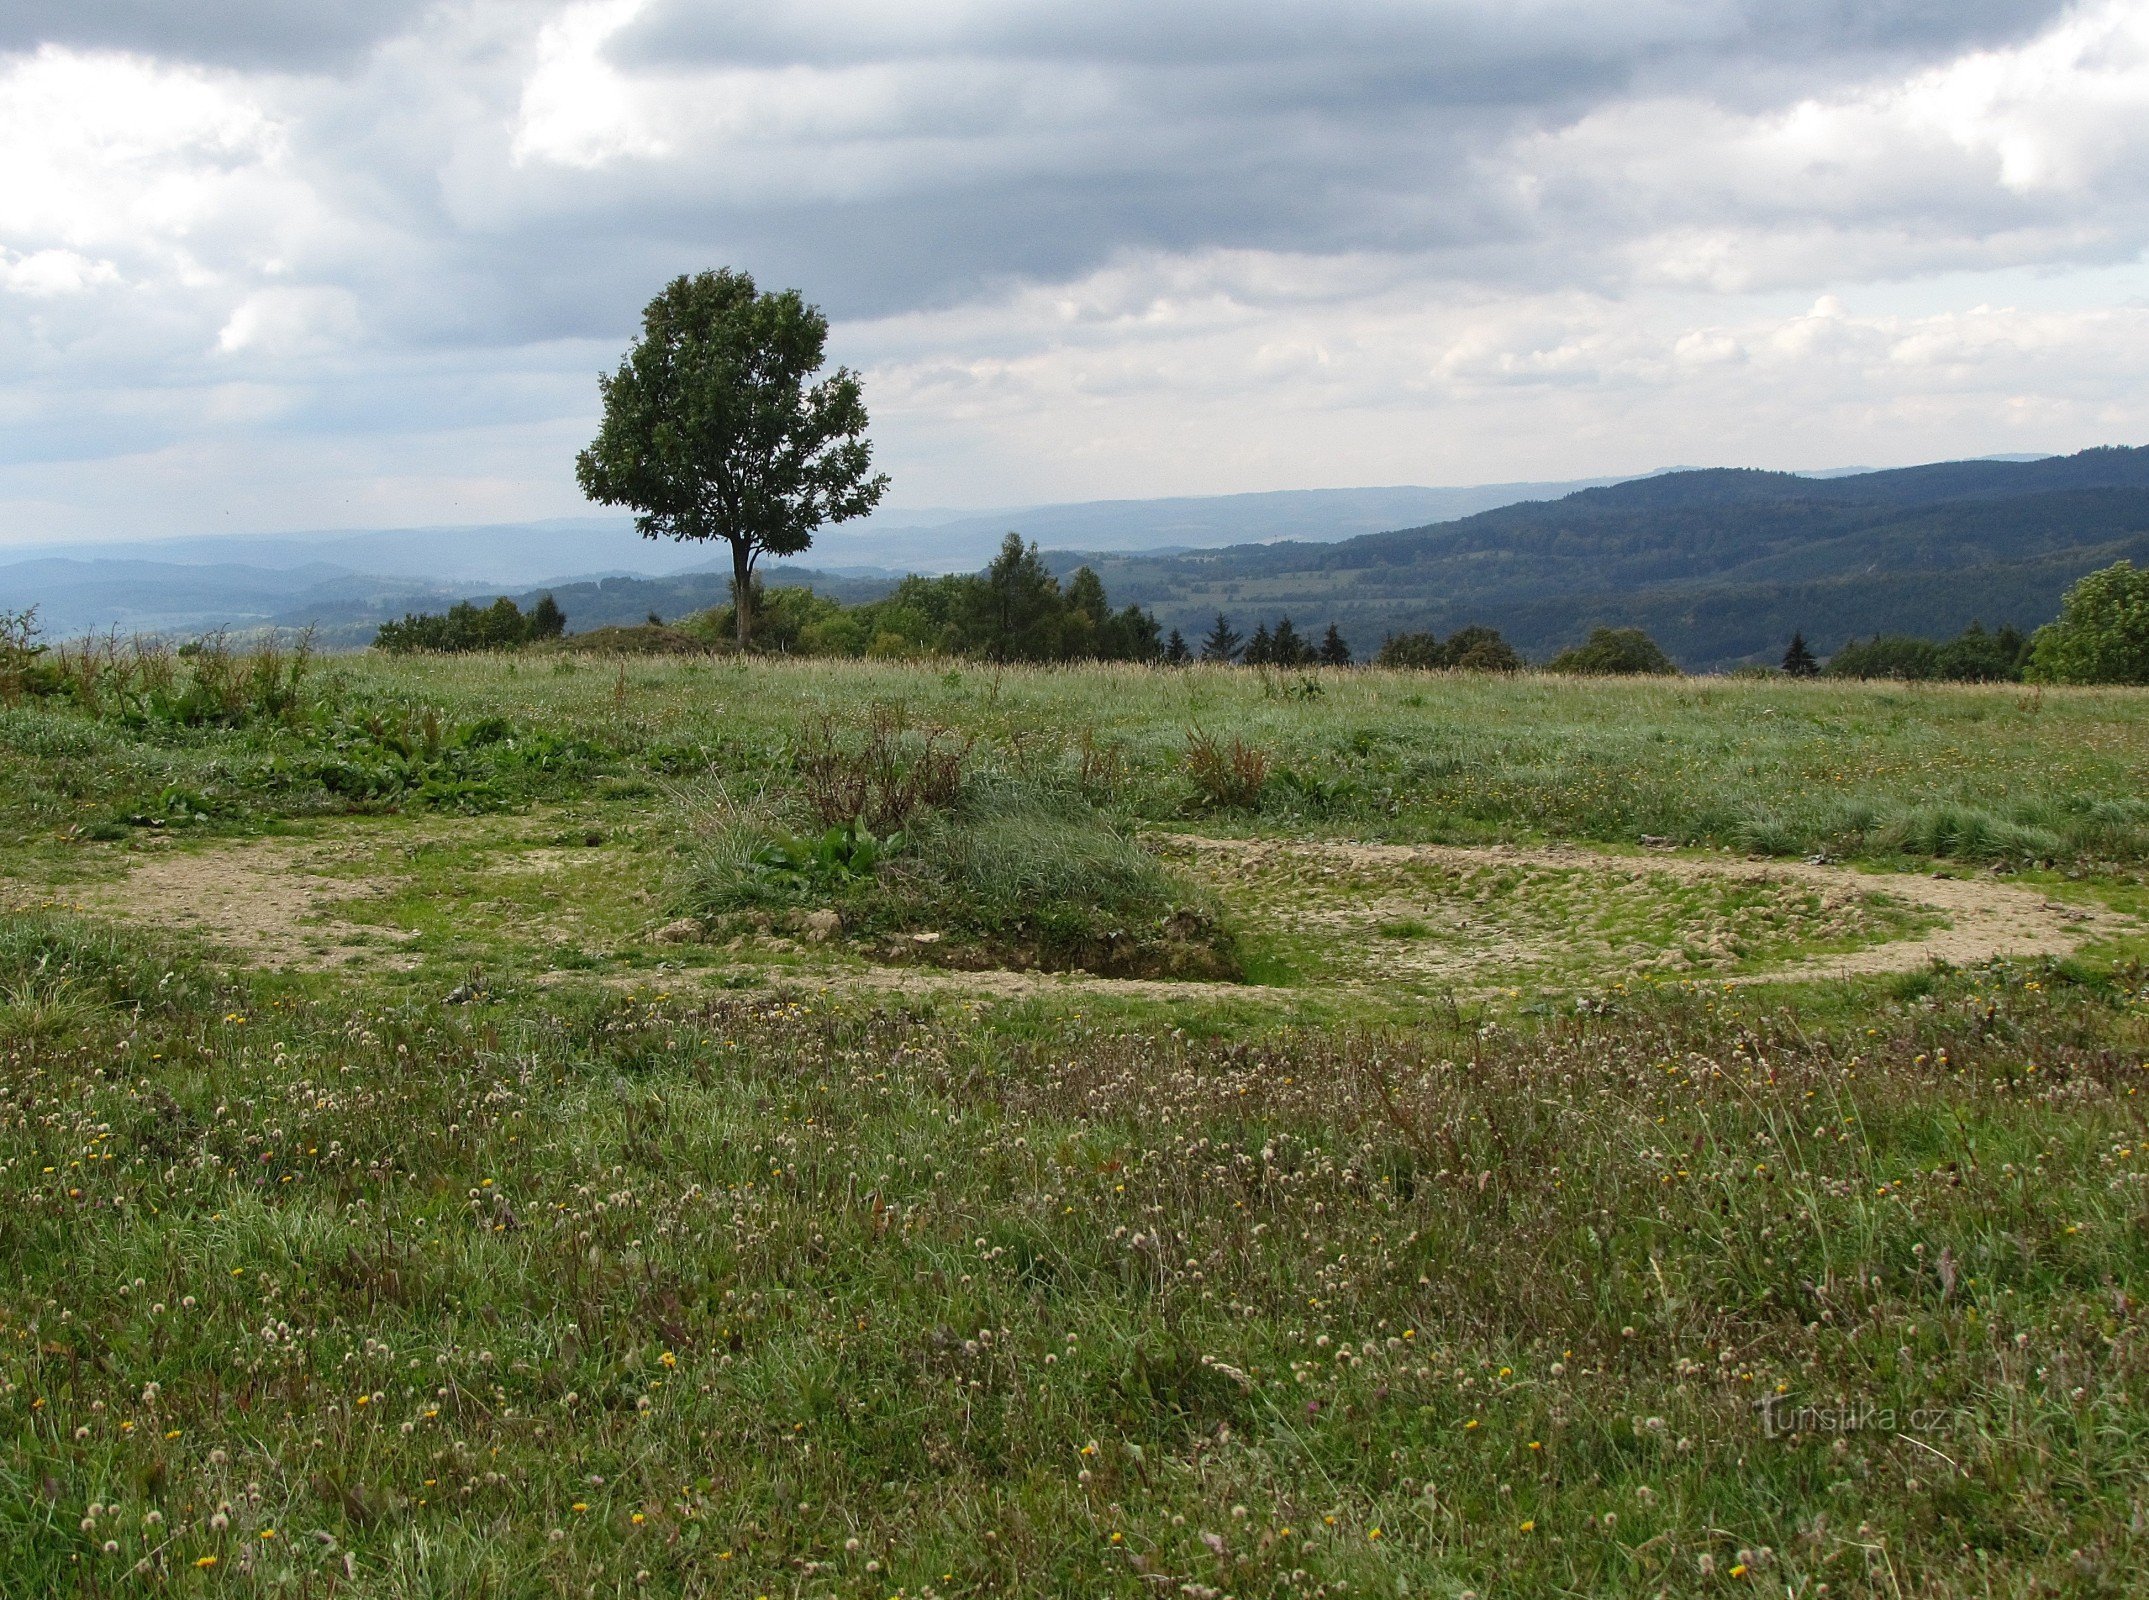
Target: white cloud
[
  {"x": 1118, "y": 249},
  {"x": 52, "y": 272},
  {"x": 112, "y": 150},
  {"x": 291, "y": 322},
  {"x": 577, "y": 109}
]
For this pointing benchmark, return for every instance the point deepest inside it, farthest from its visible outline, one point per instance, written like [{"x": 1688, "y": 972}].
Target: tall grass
[
  {"x": 590, "y": 1293},
  {"x": 1970, "y": 772}
]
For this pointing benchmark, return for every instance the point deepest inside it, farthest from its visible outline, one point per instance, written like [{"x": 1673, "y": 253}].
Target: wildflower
[
  {"x": 205, "y": 1561},
  {"x": 1530, "y": 1525}
]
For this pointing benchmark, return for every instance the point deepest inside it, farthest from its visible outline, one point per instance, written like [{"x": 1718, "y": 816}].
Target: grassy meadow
[{"x": 546, "y": 1125}]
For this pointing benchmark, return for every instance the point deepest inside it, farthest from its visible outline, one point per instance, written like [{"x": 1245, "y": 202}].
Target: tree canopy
[
  {"x": 1614, "y": 651},
  {"x": 1472, "y": 649},
  {"x": 715, "y": 428},
  {"x": 503, "y": 625},
  {"x": 2102, "y": 635}
]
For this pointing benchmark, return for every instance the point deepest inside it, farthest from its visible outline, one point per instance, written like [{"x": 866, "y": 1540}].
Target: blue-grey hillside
[{"x": 1721, "y": 565}]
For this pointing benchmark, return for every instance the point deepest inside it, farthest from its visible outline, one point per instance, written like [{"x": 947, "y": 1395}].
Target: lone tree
[
  {"x": 1798, "y": 661},
  {"x": 715, "y": 428}
]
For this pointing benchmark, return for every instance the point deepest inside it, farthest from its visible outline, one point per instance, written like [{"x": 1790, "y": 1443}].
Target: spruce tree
[
  {"x": 1334, "y": 652},
  {"x": 1176, "y": 654},
  {"x": 1287, "y": 649},
  {"x": 1798, "y": 661},
  {"x": 1223, "y": 641},
  {"x": 1260, "y": 649}
]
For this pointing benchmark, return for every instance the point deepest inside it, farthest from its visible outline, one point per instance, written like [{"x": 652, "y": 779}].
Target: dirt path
[{"x": 266, "y": 901}]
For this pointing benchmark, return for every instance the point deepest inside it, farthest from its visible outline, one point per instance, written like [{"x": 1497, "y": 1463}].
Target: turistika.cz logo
[{"x": 1783, "y": 1417}]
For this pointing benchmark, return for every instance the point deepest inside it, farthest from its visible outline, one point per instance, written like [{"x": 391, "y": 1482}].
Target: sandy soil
[{"x": 266, "y": 901}]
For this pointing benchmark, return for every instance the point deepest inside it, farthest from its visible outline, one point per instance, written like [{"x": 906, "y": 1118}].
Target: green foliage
[
  {"x": 1223, "y": 642},
  {"x": 1007, "y": 872},
  {"x": 465, "y": 626},
  {"x": 714, "y": 427},
  {"x": 1798, "y": 660},
  {"x": 1283, "y": 648},
  {"x": 827, "y": 860},
  {"x": 1471, "y": 649},
  {"x": 1014, "y": 611},
  {"x": 2102, "y": 635},
  {"x": 1973, "y": 656},
  {"x": 22, "y": 673},
  {"x": 1887, "y": 655},
  {"x": 1614, "y": 652}
]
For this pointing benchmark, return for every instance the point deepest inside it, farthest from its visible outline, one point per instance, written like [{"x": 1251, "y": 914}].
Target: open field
[{"x": 476, "y": 1128}]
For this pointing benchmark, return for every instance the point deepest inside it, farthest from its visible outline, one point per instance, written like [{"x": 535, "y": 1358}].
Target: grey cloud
[
  {"x": 289, "y": 35},
  {"x": 1459, "y": 39}
]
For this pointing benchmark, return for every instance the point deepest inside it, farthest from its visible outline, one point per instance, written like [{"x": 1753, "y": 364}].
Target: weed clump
[
  {"x": 1226, "y": 777},
  {"x": 928, "y": 861}
]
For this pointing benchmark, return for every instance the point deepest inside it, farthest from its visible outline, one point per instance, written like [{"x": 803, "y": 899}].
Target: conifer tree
[
  {"x": 1334, "y": 652},
  {"x": 1798, "y": 661},
  {"x": 1260, "y": 649},
  {"x": 1223, "y": 641},
  {"x": 1287, "y": 649},
  {"x": 1176, "y": 654}
]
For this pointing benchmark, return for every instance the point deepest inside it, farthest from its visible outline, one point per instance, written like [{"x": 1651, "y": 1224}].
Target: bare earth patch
[{"x": 268, "y": 901}]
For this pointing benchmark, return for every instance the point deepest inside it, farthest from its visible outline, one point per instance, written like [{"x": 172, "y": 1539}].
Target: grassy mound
[{"x": 1011, "y": 874}]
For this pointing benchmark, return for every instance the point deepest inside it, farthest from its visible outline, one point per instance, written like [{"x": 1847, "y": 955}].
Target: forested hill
[{"x": 1720, "y": 565}]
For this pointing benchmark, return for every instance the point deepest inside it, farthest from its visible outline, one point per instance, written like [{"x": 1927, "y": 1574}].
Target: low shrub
[
  {"x": 1226, "y": 777},
  {"x": 880, "y": 777},
  {"x": 1011, "y": 873}
]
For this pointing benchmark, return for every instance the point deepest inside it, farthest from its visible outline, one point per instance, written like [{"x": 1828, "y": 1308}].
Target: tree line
[
  {"x": 2100, "y": 636},
  {"x": 503, "y": 625}
]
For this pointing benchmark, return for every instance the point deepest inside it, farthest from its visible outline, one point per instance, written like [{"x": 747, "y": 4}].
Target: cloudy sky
[{"x": 272, "y": 264}]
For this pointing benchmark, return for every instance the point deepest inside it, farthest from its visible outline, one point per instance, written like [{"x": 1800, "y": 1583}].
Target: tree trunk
[{"x": 742, "y": 591}]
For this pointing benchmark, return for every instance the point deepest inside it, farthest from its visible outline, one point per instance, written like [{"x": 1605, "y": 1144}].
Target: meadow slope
[{"x": 493, "y": 1126}]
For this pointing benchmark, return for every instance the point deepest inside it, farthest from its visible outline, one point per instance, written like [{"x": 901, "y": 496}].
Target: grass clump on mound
[{"x": 936, "y": 863}]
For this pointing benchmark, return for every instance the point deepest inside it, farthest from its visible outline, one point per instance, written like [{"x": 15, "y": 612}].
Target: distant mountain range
[
  {"x": 344, "y": 582},
  {"x": 1721, "y": 565}
]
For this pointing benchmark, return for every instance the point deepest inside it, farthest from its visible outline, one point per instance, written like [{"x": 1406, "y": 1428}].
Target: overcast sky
[{"x": 271, "y": 264}]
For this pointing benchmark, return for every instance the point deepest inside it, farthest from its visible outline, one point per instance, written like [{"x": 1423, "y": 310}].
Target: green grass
[{"x": 617, "y": 1281}]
